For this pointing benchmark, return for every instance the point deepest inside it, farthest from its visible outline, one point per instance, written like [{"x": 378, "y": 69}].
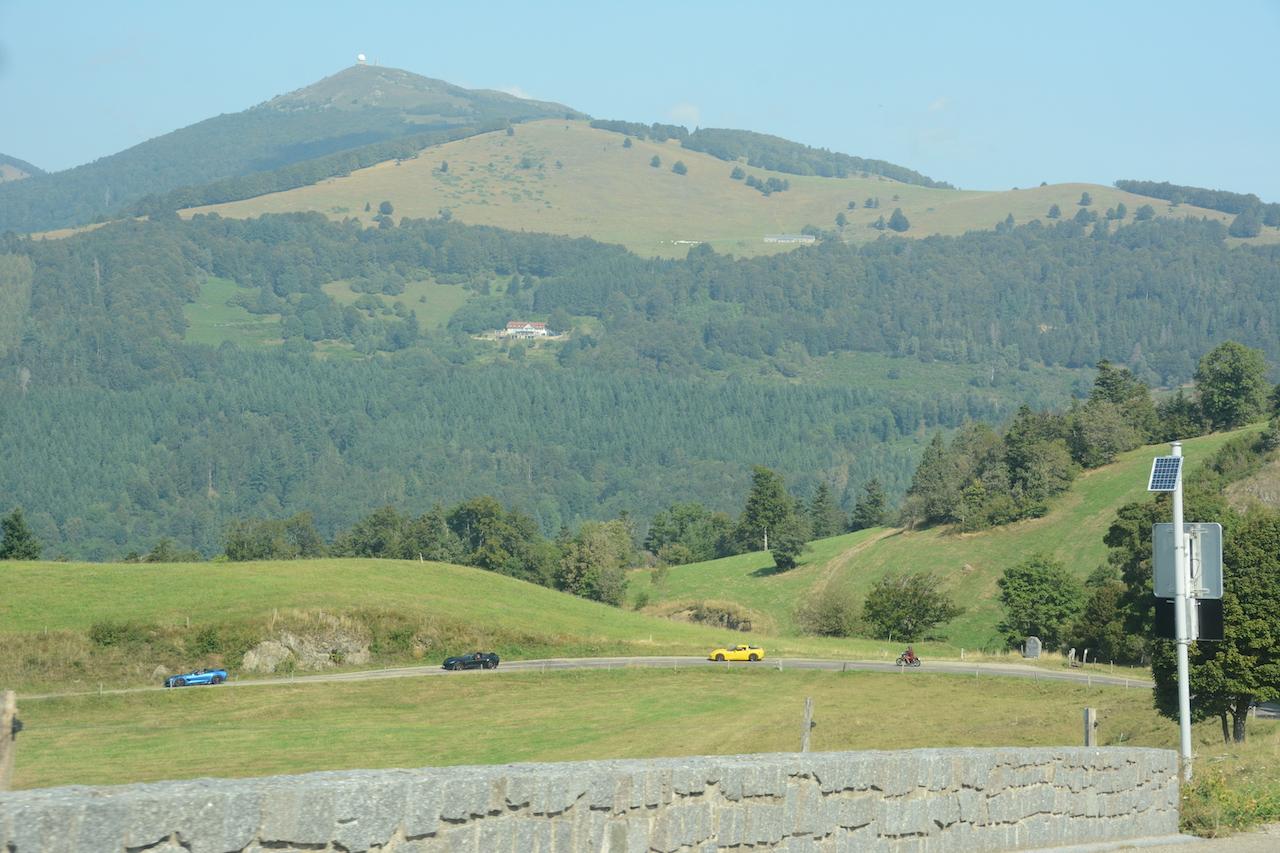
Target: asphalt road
[{"x": 433, "y": 670}]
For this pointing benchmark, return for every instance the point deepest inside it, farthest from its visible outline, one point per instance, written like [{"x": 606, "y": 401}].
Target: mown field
[
  {"x": 492, "y": 717},
  {"x": 967, "y": 564},
  {"x": 564, "y": 177}
]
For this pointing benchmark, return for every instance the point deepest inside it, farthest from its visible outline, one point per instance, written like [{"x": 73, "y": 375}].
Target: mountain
[
  {"x": 13, "y": 169},
  {"x": 358, "y": 106}
]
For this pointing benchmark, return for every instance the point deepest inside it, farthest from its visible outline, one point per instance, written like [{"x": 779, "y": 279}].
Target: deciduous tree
[
  {"x": 1039, "y": 599},
  {"x": 790, "y": 540},
  {"x": 1227, "y": 677},
  {"x": 905, "y": 607},
  {"x": 1232, "y": 385}
]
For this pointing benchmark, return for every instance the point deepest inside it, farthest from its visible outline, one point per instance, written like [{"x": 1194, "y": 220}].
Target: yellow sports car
[{"x": 737, "y": 653}]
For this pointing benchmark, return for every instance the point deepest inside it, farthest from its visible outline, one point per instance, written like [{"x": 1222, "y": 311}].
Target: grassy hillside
[
  {"x": 968, "y": 564},
  {"x": 13, "y": 169},
  {"x": 78, "y": 625},
  {"x": 564, "y": 177},
  {"x": 552, "y": 716}
]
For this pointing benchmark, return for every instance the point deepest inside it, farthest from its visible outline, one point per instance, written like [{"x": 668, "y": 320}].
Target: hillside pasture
[
  {"x": 967, "y": 564},
  {"x": 565, "y": 177},
  {"x": 431, "y": 302},
  {"x": 212, "y": 320}
]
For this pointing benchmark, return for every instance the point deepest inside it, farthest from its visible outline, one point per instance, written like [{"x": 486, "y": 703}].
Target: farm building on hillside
[
  {"x": 790, "y": 238},
  {"x": 525, "y": 329}
]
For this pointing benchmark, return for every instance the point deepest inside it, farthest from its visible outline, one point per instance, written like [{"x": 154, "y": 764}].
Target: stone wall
[{"x": 928, "y": 799}]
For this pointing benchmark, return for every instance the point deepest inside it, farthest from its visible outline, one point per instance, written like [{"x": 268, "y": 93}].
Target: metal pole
[{"x": 1180, "y": 603}]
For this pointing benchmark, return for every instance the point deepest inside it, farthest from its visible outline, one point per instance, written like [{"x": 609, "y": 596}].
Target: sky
[{"x": 983, "y": 95}]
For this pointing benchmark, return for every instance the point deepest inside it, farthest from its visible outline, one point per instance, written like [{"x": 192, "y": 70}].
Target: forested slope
[{"x": 673, "y": 379}]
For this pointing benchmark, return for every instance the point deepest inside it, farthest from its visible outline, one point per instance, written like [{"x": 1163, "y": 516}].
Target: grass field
[
  {"x": 554, "y": 716},
  {"x": 968, "y": 564},
  {"x": 568, "y": 178},
  {"x": 433, "y": 303},
  {"x": 211, "y": 320}
]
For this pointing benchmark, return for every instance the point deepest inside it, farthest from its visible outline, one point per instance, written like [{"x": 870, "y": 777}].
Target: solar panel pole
[{"x": 1180, "y": 605}]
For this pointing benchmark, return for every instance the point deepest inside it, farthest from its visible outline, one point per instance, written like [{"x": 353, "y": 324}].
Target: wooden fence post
[
  {"x": 8, "y": 743},
  {"x": 1090, "y": 727},
  {"x": 808, "y": 723}
]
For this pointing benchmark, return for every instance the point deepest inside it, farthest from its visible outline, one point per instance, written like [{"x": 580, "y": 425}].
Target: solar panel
[{"x": 1165, "y": 473}]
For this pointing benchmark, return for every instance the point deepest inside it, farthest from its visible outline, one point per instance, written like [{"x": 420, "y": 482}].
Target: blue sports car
[{"x": 200, "y": 676}]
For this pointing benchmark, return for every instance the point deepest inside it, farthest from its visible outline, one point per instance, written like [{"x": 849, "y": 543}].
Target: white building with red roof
[{"x": 525, "y": 329}]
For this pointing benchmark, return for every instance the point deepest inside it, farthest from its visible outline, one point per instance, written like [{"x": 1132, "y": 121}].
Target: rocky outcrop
[{"x": 329, "y": 642}]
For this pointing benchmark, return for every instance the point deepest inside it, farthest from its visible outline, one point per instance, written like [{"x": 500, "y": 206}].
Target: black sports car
[{"x": 475, "y": 660}]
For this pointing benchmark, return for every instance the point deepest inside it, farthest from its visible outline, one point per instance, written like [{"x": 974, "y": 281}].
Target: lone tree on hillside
[
  {"x": 680, "y": 168},
  {"x": 898, "y": 221},
  {"x": 790, "y": 540},
  {"x": 1055, "y": 212},
  {"x": 1086, "y": 199},
  {"x": 1232, "y": 383},
  {"x": 1039, "y": 599},
  {"x": 767, "y": 506},
  {"x": 870, "y": 509},
  {"x": 825, "y": 518},
  {"x": 656, "y": 161},
  {"x": 18, "y": 543},
  {"x": 907, "y": 606},
  {"x": 385, "y": 209}
]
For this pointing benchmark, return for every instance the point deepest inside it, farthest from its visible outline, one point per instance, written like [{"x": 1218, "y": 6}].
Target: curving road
[{"x": 1003, "y": 670}]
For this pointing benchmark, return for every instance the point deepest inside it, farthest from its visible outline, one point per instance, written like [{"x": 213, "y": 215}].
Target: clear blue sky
[{"x": 984, "y": 95}]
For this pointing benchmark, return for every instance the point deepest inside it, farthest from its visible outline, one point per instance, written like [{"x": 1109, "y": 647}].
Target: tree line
[{"x": 769, "y": 152}]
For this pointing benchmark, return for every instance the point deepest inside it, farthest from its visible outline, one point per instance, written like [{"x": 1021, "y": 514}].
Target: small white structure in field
[{"x": 525, "y": 329}]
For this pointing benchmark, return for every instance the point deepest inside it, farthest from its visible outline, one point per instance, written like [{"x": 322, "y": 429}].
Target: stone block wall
[{"x": 916, "y": 800}]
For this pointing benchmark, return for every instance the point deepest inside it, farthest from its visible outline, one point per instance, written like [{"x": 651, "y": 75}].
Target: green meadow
[
  {"x": 432, "y": 303},
  {"x": 488, "y": 718},
  {"x": 211, "y": 319}
]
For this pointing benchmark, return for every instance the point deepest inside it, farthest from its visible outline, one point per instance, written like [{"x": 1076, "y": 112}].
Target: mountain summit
[
  {"x": 358, "y": 106},
  {"x": 377, "y": 87}
]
